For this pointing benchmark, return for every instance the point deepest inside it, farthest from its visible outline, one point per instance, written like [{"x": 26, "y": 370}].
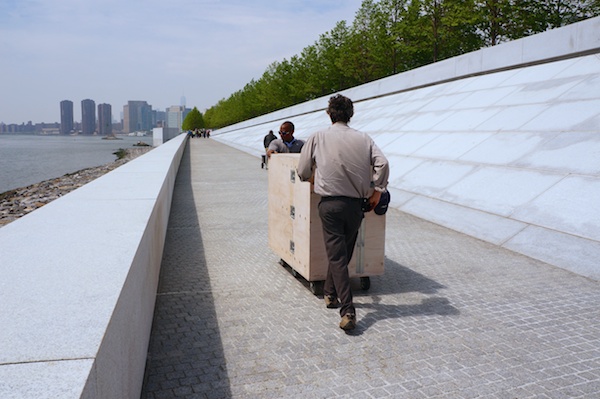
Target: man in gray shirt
[
  {"x": 348, "y": 167},
  {"x": 287, "y": 142}
]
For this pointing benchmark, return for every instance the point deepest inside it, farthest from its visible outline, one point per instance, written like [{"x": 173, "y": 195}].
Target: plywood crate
[{"x": 295, "y": 231}]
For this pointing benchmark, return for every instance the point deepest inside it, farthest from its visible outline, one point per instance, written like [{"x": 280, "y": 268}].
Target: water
[{"x": 29, "y": 159}]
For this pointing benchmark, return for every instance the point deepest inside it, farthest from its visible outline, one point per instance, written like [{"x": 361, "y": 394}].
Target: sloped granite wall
[{"x": 502, "y": 144}]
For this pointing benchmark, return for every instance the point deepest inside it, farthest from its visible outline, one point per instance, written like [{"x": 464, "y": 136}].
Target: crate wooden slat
[{"x": 295, "y": 231}]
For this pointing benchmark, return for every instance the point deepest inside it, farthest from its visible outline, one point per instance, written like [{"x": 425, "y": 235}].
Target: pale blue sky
[{"x": 112, "y": 51}]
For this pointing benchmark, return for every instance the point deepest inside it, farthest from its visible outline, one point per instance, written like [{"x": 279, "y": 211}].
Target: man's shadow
[{"x": 398, "y": 279}]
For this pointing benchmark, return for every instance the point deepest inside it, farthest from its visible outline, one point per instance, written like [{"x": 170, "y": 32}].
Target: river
[{"x": 29, "y": 159}]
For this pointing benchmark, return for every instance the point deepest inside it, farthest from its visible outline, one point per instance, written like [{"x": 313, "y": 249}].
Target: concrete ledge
[{"x": 79, "y": 279}]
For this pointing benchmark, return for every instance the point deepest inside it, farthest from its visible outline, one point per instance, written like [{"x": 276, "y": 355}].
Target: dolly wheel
[
  {"x": 365, "y": 283},
  {"x": 316, "y": 287}
]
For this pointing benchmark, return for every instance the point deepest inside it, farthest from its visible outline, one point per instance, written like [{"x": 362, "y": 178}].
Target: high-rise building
[
  {"x": 159, "y": 118},
  {"x": 175, "y": 116},
  {"x": 66, "y": 117},
  {"x": 104, "y": 119},
  {"x": 88, "y": 116},
  {"x": 137, "y": 116}
]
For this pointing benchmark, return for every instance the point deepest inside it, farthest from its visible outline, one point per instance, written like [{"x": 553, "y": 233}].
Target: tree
[
  {"x": 193, "y": 120},
  {"x": 453, "y": 29},
  {"x": 331, "y": 46},
  {"x": 388, "y": 20},
  {"x": 360, "y": 60},
  {"x": 495, "y": 20},
  {"x": 391, "y": 36}
]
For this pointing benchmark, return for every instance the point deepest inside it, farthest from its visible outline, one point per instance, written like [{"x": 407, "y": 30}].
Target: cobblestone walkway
[{"x": 452, "y": 317}]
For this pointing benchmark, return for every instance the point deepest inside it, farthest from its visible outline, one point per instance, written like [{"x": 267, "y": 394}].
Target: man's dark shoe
[
  {"x": 331, "y": 302},
  {"x": 348, "y": 322}
]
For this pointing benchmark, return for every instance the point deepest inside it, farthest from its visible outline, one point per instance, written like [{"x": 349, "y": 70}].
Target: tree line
[{"x": 388, "y": 37}]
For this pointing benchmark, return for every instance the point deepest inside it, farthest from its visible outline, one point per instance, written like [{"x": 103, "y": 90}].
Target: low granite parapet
[{"x": 79, "y": 279}]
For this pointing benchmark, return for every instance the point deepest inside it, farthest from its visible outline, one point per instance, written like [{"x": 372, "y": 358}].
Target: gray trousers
[{"x": 341, "y": 218}]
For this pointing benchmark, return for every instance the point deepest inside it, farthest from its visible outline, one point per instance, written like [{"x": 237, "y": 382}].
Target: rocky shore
[{"x": 19, "y": 202}]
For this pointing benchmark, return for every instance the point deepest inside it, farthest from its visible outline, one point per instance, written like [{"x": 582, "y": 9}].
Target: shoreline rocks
[{"x": 21, "y": 201}]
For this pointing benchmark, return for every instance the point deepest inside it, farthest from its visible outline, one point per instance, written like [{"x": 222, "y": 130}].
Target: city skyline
[
  {"x": 66, "y": 112},
  {"x": 205, "y": 50},
  {"x": 136, "y": 116}
]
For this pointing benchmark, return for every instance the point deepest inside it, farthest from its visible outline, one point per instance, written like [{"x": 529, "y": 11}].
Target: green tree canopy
[
  {"x": 389, "y": 37},
  {"x": 193, "y": 120}
]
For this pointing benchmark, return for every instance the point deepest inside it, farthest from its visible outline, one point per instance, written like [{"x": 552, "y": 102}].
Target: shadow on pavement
[
  {"x": 398, "y": 279},
  {"x": 185, "y": 354}
]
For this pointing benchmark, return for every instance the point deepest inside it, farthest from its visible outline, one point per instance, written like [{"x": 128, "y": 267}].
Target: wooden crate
[{"x": 295, "y": 231}]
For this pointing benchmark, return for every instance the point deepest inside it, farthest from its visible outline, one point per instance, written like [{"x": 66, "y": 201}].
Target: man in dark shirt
[
  {"x": 268, "y": 138},
  {"x": 287, "y": 142}
]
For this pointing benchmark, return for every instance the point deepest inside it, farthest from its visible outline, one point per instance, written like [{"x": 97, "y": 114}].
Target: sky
[{"x": 114, "y": 51}]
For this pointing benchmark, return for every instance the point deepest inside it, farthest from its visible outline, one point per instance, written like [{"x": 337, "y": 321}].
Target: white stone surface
[
  {"x": 504, "y": 148},
  {"x": 502, "y": 143},
  {"x": 567, "y": 251},
  {"x": 47, "y": 380},
  {"x": 486, "y": 226},
  {"x": 402, "y": 166},
  {"x": 431, "y": 178},
  {"x": 62, "y": 309},
  {"x": 499, "y": 191},
  {"x": 572, "y": 152},
  {"x": 78, "y": 285},
  {"x": 451, "y": 145},
  {"x": 570, "y": 206}
]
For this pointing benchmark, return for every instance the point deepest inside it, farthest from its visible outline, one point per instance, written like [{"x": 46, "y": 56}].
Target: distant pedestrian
[
  {"x": 268, "y": 138},
  {"x": 266, "y": 141}
]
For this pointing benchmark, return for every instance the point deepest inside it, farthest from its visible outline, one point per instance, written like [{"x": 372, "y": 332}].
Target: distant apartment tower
[
  {"x": 137, "y": 116},
  {"x": 175, "y": 116},
  {"x": 104, "y": 119},
  {"x": 66, "y": 117},
  {"x": 159, "y": 118},
  {"x": 88, "y": 116}
]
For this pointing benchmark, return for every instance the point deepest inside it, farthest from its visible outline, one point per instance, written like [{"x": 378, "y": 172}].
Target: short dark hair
[
  {"x": 290, "y": 124},
  {"x": 340, "y": 108}
]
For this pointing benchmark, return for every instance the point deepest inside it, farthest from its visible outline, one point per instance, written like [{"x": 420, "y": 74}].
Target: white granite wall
[
  {"x": 502, "y": 144},
  {"x": 79, "y": 280}
]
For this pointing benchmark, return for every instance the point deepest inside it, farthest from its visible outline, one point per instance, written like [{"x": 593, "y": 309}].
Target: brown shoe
[
  {"x": 348, "y": 322},
  {"x": 331, "y": 302}
]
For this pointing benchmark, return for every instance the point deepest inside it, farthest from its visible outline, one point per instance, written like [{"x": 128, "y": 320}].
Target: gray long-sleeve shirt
[
  {"x": 280, "y": 146},
  {"x": 348, "y": 162}
]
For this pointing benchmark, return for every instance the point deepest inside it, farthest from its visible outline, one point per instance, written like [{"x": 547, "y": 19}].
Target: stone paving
[{"x": 452, "y": 317}]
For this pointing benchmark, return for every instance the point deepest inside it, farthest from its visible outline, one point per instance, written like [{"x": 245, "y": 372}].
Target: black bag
[{"x": 382, "y": 206}]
